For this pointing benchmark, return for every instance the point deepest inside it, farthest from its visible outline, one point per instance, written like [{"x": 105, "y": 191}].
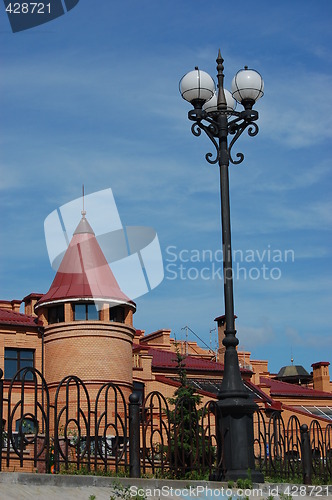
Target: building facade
[{"x": 83, "y": 327}]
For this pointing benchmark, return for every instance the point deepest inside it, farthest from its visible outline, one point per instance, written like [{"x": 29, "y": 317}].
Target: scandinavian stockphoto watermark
[
  {"x": 134, "y": 255},
  {"x": 206, "y": 492},
  {"x": 206, "y": 264},
  {"x": 132, "y": 252},
  {"x": 198, "y": 492}
]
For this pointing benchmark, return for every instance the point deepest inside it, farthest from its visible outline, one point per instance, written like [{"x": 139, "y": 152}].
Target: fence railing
[
  {"x": 179, "y": 440},
  {"x": 99, "y": 430},
  {"x": 291, "y": 450},
  {"x": 72, "y": 432}
]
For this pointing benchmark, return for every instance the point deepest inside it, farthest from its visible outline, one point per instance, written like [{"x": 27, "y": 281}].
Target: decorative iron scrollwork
[{"x": 236, "y": 127}]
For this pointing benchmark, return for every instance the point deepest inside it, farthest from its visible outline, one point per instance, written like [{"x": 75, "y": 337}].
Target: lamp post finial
[{"x": 221, "y": 102}]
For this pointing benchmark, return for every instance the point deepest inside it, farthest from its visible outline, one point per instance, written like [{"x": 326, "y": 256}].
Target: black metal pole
[
  {"x": 232, "y": 380},
  {"x": 236, "y": 405},
  {"x": 134, "y": 436},
  {"x": 306, "y": 455}
]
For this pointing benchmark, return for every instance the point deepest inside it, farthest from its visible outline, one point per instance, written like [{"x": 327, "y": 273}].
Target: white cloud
[
  {"x": 252, "y": 335},
  {"x": 294, "y": 111}
]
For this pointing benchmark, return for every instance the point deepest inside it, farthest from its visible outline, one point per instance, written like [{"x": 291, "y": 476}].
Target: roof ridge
[
  {"x": 293, "y": 388},
  {"x": 17, "y": 318},
  {"x": 15, "y": 313}
]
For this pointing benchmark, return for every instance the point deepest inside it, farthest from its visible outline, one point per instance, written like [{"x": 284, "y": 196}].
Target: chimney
[
  {"x": 221, "y": 322},
  {"x": 29, "y": 303},
  {"x": 321, "y": 376},
  {"x": 16, "y": 305},
  {"x": 13, "y": 305}
]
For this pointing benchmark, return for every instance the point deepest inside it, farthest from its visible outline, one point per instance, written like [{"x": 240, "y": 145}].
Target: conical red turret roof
[{"x": 84, "y": 273}]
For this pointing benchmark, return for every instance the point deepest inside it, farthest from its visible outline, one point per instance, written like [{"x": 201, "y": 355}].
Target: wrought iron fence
[
  {"x": 26, "y": 439},
  {"x": 74, "y": 426},
  {"x": 292, "y": 450},
  {"x": 181, "y": 440},
  {"x": 69, "y": 433},
  {"x": 156, "y": 434}
]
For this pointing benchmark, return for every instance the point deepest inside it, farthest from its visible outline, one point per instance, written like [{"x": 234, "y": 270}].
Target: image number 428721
[
  {"x": 25, "y": 15},
  {"x": 28, "y": 8}
]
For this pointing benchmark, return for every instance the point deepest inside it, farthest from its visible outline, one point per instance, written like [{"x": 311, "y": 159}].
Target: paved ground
[
  {"x": 25, "y": 492},
  {"x": 21, "y": 486}
]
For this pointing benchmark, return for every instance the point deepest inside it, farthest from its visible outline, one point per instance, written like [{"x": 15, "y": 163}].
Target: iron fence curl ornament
[
  {"x": 111, "y": 419},
  {"x": 212, "y": 440},
  {"x": 156, "y": 433},
  {"x": 328, "y": 449},
  {"x": 72, "y": 424},
  {"x": 320, "y": 449},
  {"x": 261, "y": 450},
  {"x": 27, "y": 418}
]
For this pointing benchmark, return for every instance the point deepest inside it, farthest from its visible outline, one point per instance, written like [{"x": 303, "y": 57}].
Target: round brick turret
[{"x": 88, "y": 320}]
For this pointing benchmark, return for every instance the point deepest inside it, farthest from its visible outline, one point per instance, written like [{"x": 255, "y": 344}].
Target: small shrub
[
  {"x": 119, "y": 491},
  {"x": 244, "y": 484}
]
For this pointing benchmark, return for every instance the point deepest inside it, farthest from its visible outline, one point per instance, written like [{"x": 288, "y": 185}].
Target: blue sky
[{"x": 92, "y": 97}]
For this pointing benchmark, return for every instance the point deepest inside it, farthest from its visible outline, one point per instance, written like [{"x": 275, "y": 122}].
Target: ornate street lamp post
[{"x": 214, "y": 113}]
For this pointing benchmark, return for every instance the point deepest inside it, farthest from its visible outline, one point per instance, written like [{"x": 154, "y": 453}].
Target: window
[
  {"x": 56, "y": 314},
  {"x": 117, "y": 314},
  {"x": 15, "y": 359},
  {"x": 28, "y": 426},
  {"x": 22, "y": 427},
  {"x": 84, "y": 311},
  {"x": 322, "y": 411}
]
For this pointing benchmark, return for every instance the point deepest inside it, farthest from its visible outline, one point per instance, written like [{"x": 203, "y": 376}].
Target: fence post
[
  {"x": 1, "y": 417},
  {"x": 306, "y": 454},
  {"x": 134, "y": 435}
]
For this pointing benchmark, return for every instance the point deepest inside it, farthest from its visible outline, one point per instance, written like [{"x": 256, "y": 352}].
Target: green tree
[{"x": 186, "y": 433}]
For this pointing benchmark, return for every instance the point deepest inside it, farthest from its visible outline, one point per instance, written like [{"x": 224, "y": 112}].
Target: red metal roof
[
  {"x": 258, "y": 393},
  {"x": 84, "y": 272},
  {"x": 13, "y": 318},
  {"x": 279, "y": 388},
  {"x": 167, "y": 359},
  {"x": 176, "y": 383}
]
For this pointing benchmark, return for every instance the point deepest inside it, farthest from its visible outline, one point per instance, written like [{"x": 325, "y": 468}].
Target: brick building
[{"x": 83, "y": 326}]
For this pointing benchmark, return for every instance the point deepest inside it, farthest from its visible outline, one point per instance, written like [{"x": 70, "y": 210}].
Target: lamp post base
[{"x": 237, "y": 437}]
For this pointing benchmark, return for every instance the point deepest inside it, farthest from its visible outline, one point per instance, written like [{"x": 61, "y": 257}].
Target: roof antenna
[
  {"x": 83, "y": 212},
  {"x": 292, "y": 359}
]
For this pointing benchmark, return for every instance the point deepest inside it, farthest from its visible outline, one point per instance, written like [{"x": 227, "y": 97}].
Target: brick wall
[{"x": 94, "y": 351}]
